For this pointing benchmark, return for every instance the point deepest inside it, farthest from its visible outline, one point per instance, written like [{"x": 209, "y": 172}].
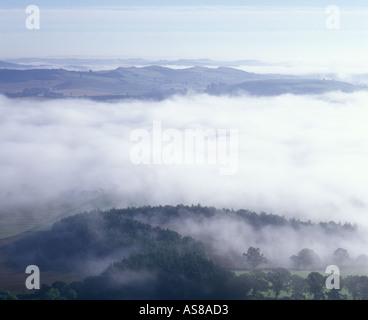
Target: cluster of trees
[
  {"x": 258, "y": 284},
  {"x": 305, "y": 259},
  {"x": 254, "y": 258}
]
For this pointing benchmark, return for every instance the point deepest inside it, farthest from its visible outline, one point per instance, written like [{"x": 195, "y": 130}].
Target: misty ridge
[
  {"x": 227, "y": 234},
  {"x": 83, "y": 242}
]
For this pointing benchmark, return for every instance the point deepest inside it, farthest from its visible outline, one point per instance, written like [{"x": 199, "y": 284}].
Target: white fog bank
[{"x": 299, "y": 156}]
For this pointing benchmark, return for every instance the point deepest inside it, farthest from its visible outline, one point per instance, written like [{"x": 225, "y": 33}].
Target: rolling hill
[{"x": 156, "y": 83}]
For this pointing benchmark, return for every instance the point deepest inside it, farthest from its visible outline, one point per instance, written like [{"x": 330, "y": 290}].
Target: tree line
[{"x": 278, "y": 283}]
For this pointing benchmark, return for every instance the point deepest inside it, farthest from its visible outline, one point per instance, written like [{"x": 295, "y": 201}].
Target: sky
[
  {"x": 270, "y": 31},
  {"x": 79, "y": 3}
]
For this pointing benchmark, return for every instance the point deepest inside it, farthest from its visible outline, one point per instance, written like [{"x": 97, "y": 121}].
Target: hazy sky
[{"x": 228, "y": 30}]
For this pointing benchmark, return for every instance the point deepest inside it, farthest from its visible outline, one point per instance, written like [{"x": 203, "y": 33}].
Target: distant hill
[
  {"x": 156, "y": 82},
  {"x": 8, "y": 65},
  {"x": 80, "y": 63}
]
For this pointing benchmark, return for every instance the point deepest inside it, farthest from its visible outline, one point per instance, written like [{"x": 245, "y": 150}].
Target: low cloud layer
[
  {"x": 299, "y": 156},
  {"x": 228, "y": 237}
]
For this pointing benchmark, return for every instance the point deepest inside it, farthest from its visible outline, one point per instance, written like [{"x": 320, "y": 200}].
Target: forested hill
[
  {"x": 156, "y": 82},
  {"x": 120, "y": 257},
  {"x": 129, "y": 259},
  {"x": 84, "y": 240}
]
